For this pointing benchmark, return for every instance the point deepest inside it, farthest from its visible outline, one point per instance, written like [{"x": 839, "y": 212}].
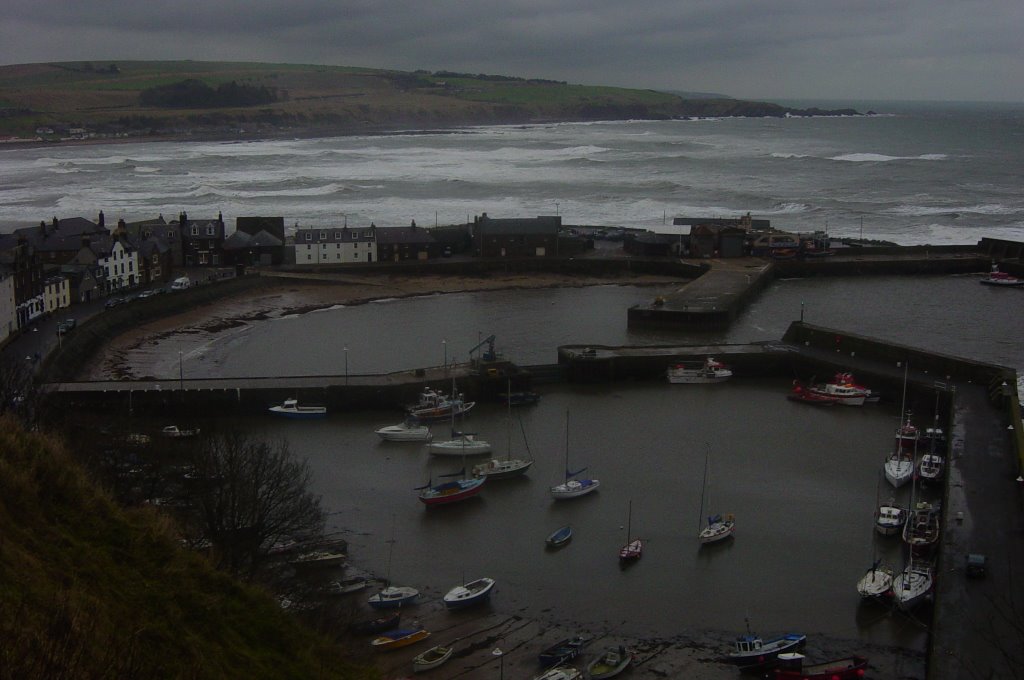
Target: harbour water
[{"x": 802, "y": 482}]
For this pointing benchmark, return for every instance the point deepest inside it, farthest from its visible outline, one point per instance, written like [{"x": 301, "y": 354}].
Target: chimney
[
  {"x": 414, "y": 224},
  {"x": 122, "y": 226},
  {"x": 42, "y": 227},
  {"x": 56, "y": 223},
  {"x": 102, "y": 221},
  {"x": 182, "y": 218}
]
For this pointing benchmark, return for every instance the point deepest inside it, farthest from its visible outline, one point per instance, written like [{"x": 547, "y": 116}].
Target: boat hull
[
  {"x": 460, "y": 447},
  {"x": 431, "y": 659},
  {"x": 399, "y": 433},
  {"x": 574, "y": 488},
  {"x": 452, "y": 492},
  {"x": 502, "y": 469},
  {"x": 559, "y": 537},
  {"x": 469, "y": 594},
  {"x": 301, "y": 413},
  {"x": 399, "y": 638},
  {"x": 393, "y": 597}
]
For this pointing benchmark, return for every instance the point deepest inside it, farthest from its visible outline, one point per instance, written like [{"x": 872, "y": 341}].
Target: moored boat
[
  {"x": 890, "y": 518},
  {"x": 634, "y": 547},
  {"x": 907, "y": 434},
  {"x": 345, "y": 586},
  {"x": 522, "y": 398},
  {"x": 468, "y": 594},
  {"x": 752, "y": 652},
  {"x": 399, "y": 637},
  {"x": 175, "y": 432},
  {"x": 461, "y": 444},
  {"x": 922, "y": 527},
  {"x": 559, "y": 537},
  {"x": 610, "y": 664},
  {"x": 319, "y": 558},
  {"x": 451, "y": 492},
  {"x": 998, "y": 278},
  {"x": 913, "y": 585},
  {"x": 931, "y": 467},
  {"x": 845, "y": 394},
  {"x": 410, "y": 430},
  {"x": 431, "y": 659},
  {"x": 434, "y": 406},
  {"x": 899, "y": 468},
  {"x": 792, "y": 666},
  {"x": 502, "y": 469},
  {"x": 291, "y": 408},
  {"x": 806, "y": 396},
  {"x": 693, "y": 372},
  {"x": 876, "y": 582},
  {"x": 572, "y": 487}
]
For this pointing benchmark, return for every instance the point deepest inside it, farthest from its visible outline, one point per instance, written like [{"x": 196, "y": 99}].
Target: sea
[{"x": 803, "y": 483}]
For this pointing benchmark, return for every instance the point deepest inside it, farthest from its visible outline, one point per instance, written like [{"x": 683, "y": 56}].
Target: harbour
[{"x": 672, "y": 448}]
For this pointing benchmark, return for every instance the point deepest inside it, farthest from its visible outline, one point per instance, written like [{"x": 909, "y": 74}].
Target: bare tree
[
  {"x": 19, "y": 393},
  {"x": 249, "y": 495}
]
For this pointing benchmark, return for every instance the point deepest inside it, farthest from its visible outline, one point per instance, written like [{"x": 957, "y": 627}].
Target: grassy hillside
[
  {"x": 88, "y": 590},
  {"x": 104, "y": 98}
]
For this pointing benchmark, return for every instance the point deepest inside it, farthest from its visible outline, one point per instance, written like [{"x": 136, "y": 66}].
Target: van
[{"x": 181, "y": 283}]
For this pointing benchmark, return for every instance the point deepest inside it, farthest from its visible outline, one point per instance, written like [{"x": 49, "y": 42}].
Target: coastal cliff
[{"x": 79, "y": 101}]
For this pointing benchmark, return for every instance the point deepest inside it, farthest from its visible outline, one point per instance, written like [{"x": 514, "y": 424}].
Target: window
[
  {"x": 323, "y": 235},
  {"x": 309, "y": 236},
  {"x": 170, "y": 233},
  {"x": 195, "y": 230},
  {"x": 209, "y": 230}
]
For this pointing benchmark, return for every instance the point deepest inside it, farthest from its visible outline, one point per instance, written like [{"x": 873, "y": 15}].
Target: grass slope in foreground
[{"x": 88, "y": 590}]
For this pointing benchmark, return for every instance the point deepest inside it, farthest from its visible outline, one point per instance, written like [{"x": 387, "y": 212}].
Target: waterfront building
[
  {"x": 335, "y": 245},
  {"x": 202, "y": 240},
  {"x": 120, "y": 260},
  {"x": 8, "y": 309},
  {"x": 56, "y": 293},
  {"x": 395, "y": 244},
  {"x": 516, "y": 237}
]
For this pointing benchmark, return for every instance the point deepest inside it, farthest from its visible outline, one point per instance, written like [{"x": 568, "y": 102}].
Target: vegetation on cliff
[
  {"x": 91, "y": 590},
  {"x": 177, "y": 98}
]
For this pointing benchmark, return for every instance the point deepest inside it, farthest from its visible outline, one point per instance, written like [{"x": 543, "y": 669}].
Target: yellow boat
[{"x": 400, "y": 637}]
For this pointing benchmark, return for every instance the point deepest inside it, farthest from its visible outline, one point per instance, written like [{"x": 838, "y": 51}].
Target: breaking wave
[{"x": 882, "y": 158}]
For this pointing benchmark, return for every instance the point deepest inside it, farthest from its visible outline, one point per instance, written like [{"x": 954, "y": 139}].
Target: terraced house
[{"x": 335, "y": 245}]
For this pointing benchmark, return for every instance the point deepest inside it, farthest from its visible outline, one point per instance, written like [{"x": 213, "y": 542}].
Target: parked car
[
  {"x": 114, "y": 302},
  {"x": 181, "y": 283},
  {"x": 976, "y": 565},
  {"x": 65, "y": 325}
]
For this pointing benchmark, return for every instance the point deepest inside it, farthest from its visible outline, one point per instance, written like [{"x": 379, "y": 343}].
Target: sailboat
[
  {"x": 461, "y": 443},
  {"x": 719, "y": 527},
  {"x": 451, "y": 492},
  {"x": 899, "y": 467},
  {"x": 391, "y": 597},
  {"x": 913, "y": 585},
  {"x": 510, "y": 467},
  {"x": 634, "y": 547},
  {"x": 931, "y": 466},
  {"x": 877, "y": 580},
  {"x": 572, "y": 487}
]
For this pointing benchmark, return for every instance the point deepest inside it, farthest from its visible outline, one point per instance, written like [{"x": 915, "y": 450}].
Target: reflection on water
[{"x": 802, "y": 482}]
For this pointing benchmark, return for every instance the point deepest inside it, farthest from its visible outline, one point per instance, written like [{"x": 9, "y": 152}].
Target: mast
[{"x": 703, "y": 488}]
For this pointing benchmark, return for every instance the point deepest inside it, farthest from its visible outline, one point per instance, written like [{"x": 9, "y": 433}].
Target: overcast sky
[{"x": 754, "y": 49}]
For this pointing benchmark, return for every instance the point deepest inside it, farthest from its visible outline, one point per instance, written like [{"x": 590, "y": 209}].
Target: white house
[
  {"x": 122, "y": 265},
  {"x": 56, "y": 293},
  {"x": 335, "y": 245}
]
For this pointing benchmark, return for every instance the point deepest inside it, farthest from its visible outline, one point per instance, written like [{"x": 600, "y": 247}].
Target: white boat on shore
[
  {"x": 890, "y": 518},
  {"x": 468, "y": 594},
  {"x": 692, "y": 372}
]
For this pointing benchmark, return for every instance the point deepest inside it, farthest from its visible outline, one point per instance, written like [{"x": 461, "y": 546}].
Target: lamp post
[
  {"x": 346, "y": 364},
  {"x": 501, "y": 661},
  {"x": 556, "y": 208},
  {"x": 181, "y": 374},
  {"x": 444, "y": 346}
]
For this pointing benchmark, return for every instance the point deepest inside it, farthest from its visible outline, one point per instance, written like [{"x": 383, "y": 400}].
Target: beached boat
[
  {"x": 291, "y": 408},
  {"x": 562, "y": 651},
  {"x": 392, "y": 597},
  {"x": 431, "y": 659},
  {"x": 610, "y": 664},
  {"x": 468, "y": 594},
  {"x": 345, "y": 586},
  {"x": 560, "y": 673},
  {"x": 998, "y": 278},
  {"x": 694, "y": 372},
  {"x": 559, "y": 537},
  {"x": 399, "y": 637},
  {"x": 377, "y": 625},
  {"x": 319, "y": 559},
  {"x": 572, "y": 487},
  {"x": 793, "y": 666},
  {"x": 752, "y": 652},
  {"x": 410, "y": 430},
  {"x": 931, "y": 467},
  {"x": 175, "y": 432}
]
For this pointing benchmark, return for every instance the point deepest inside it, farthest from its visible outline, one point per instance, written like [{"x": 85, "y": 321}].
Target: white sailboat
[
  {"x": 634, "y": 547},
  {"x": 913, "y": 585},
  {"x": 392, "y": 597},
  {"x": 932, "y": 463},
  {"x": 719, "y": 527},
  {"x": 572, "y": 487},
  {"x": 497, "y": 468},
  {"x": 461, "y": 443},
  {"x": 899, "y": 465}
]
